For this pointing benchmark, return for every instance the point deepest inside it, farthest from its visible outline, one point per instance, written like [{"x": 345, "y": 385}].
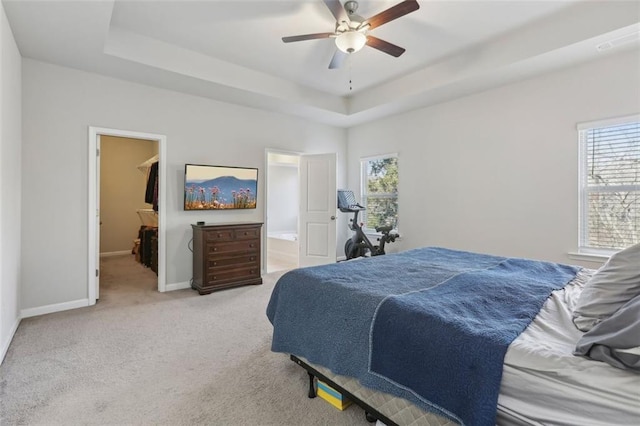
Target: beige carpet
[{"x": 143, "y": 357}]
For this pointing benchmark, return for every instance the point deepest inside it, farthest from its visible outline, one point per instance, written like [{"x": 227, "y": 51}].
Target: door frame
[
  {"x": 94, "y": 181},
  {"x": 268, "y": 151}
]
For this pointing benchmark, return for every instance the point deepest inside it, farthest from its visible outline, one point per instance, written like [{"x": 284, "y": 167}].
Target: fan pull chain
[{"x": 350, "y": 83}]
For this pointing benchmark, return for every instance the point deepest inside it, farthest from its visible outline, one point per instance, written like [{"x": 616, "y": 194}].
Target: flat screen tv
[{"x": 219, "y": 187}]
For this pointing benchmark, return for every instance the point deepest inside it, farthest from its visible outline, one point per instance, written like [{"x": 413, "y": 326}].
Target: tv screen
[{"x": 219, "y": 188}]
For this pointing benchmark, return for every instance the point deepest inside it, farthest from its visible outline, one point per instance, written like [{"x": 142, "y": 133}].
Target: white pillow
[{"x": 613, "y": 285}]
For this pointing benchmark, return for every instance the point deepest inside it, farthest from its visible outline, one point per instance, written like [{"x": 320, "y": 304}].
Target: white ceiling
[{"x": 232, "y": 50}]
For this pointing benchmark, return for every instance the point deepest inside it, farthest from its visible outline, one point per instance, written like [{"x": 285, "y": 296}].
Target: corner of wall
[
  {"x": 10, "y": 183},
  {"x": 7, "y": 340}
]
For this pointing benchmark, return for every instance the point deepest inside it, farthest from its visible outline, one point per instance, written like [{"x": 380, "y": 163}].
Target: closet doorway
[
  {"x": 283, "y": 202},
  {"x": 126, "y": 209},
  {"x": 128, "y": 216}
]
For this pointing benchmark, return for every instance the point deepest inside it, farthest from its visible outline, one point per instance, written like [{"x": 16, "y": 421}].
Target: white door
[
  {"x": 98, "y": 222},
  {"x": 317, "y": 215}
]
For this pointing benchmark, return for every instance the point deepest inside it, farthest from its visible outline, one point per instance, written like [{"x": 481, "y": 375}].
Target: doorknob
[{"x": 333, "y": 218}]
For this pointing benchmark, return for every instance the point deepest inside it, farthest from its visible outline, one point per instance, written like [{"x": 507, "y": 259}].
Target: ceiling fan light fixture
[{"x": 351, "y": 41}]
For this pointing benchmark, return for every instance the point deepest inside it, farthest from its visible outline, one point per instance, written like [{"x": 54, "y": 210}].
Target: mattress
[{"x": 542, "y": 383}]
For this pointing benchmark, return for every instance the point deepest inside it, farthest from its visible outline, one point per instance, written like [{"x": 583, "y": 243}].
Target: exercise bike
[{"x": 359, "y": 245}]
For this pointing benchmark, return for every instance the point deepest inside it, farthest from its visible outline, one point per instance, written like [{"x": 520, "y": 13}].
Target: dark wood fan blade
[
  {"x": 392, "y": 13},
  {"x": 306, "y": 37},
  {"x": 384, "y": 46},
  {"x": 337, "y": 10},
  {"x": 338, "y": 59}
]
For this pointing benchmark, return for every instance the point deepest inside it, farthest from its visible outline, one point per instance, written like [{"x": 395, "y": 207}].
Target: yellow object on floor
[
  {"x": 136, "y": 249},
  {"x": 332, "y": 396}
]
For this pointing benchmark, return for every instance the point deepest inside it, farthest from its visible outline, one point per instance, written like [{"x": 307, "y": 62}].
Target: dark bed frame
[{"x": 371, "y": 413}]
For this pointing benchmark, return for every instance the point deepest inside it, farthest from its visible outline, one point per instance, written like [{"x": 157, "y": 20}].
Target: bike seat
[
  {"x": 347, "y": 202},
  {"x": 384, "y": 229},
  {"x": 352, "y": 208}
]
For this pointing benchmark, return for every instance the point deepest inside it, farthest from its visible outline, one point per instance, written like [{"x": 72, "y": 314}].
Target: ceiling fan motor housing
[
  {"x": 351, "y": 7},
  {"x": 350, "y": 36}
]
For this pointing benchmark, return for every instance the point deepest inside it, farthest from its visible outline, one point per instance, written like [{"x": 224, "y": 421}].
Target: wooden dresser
[{"x": 225, "y": 255}]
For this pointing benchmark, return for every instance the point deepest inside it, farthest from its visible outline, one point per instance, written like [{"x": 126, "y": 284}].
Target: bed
[{"x": 434, "y": 336}]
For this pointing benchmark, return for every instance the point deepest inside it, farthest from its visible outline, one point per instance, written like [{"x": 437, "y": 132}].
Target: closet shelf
[
  {"x": 148, "y": 217},
  {"x": 146, "y": 165}
]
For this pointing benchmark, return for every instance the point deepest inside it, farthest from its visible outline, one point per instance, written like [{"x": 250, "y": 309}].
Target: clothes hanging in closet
[{"x": 151, "y": 194}]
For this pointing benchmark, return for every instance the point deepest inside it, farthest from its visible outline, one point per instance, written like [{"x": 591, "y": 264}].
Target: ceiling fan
[{"x": 351, "y": 32}]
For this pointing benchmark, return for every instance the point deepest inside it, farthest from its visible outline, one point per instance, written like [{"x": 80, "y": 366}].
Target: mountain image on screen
[{"x": 224, "y": 192}]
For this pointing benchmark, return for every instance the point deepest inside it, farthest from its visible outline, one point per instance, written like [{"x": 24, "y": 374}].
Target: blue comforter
[{"x": 429, "y": 325}]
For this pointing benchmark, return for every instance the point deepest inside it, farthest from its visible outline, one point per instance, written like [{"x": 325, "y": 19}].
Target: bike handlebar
[{"x": 384, "y": 229}]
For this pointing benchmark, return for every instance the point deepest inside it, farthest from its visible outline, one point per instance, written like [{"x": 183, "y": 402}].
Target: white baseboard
[
  {"x": 177, "y": 286},
  {"x": 57, "y": 307},
  {"x": 7, "y": 343},
  {"x": 115, "y": 253},
  {"x": 82, "y": 303}
]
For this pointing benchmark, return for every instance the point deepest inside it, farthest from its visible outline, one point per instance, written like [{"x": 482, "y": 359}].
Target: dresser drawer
[
  {"x": 218, "y": 262},
  {"x": 242, "y": 246},
  {"x": 219, "y": 277},
  {"x": 246, "y": 233},
  {"x": 220, "y": 235}
]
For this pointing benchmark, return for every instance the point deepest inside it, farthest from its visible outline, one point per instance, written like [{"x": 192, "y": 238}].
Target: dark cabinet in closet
[{"x": 148, "y": 249}]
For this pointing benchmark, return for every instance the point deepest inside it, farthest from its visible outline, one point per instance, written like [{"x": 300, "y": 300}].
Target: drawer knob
[
  {"x": 219, "y": 235},
  {"x": 215, "y": 278},
  {"x": 246, "y": 233},
  {"x": 215, "y": 263},
  {"x": 252, "y": 258},
  {"x": 250, "y": 245},
  {"x": 215, "y": 249}
]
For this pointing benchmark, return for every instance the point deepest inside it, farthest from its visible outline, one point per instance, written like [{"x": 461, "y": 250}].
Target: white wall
[
  {"x": 497, "y": 171},
  {"x": 59, "y": 105},
  {"x": 284, "y": 201},
  {"x": 493, "y": 172},
  {"x": 10, "y": 183}
]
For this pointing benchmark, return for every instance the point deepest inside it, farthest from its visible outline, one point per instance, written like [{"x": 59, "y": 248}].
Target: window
[
  {"x": 609, "y": 184},
  {"x": 380, "y": 191}
]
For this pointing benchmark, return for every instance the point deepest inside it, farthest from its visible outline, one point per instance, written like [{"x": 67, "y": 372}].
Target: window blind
[{"x": 610, "y": 186}]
